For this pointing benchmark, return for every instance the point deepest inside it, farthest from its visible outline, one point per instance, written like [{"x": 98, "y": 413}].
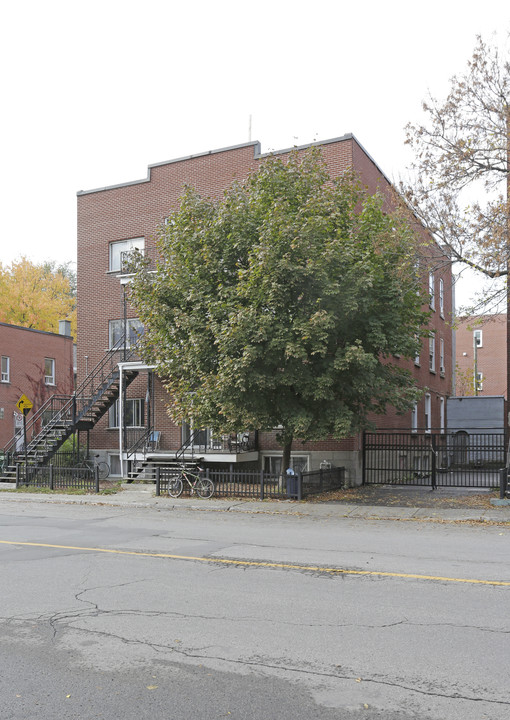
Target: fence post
[
  {"x": 363, "y": 457},
  {"x": 503, "y": 482},
  {"x": 51, "y": 477},
  {"x": 96, "y": 477},
  {"x": 434, "y": 463},
  {"x": 300, "y": 484},
  {"x": 17, "y": 475},
  {"x": 158, "y": 481},
  {"x": 262, "y": 484}
]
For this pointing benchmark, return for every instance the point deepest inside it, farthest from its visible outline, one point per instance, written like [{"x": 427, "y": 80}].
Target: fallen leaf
[
  {"x": 152, "y": 687},
  {"x": 358, "y": 679},
  {"x": 365, "y": 706},
  {"x": 68, "y": 696}
]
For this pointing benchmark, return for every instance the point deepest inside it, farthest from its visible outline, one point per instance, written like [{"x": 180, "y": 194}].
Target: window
[
  {"x": 134, "y": 413},
  {"x": 134, "y": 330},
  {"x": 477, "y": 338},
  {"x": 441, "y": 356},
  {"x": 432, "y": 291},
  {"x": 441, "y": 414},
  {"x": 417, "y": 358},
  {"x": 414, "y": 418},
  {"x": 432, "y": 354},
  {"x": 49, "y": 371},
  {"x": 479, "y": 382},
  {"x": 428, "y": 419},
  {"x": 273, "y": 463},
  {"x": 6, "y": 369},
  {"x": 121, "y": 250},
  {"x": 441, "y": 297}
]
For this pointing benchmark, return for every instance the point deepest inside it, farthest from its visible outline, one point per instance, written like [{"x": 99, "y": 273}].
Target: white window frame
[
  {"x": 432, "y": 290},
  {"x": 441, "y": 297},
  {"x": 414, "y": 418},
  {"x": 5, "y": 369},
  {"x": 119, "y": 248},
  {"x": 428, "y": 413},
  {"x": 432, "y": 354},
  {"x": 441, "y": 355},
  {"x": 442, "y": 406},
  {"x": 49, "y": 371},
  {"x": 417, "y": 357},
  {"x": 135, "y": 410},
  {"x": 116, "y": 330},
  {"x": 477, "y": 338},
  {"x": 275, "y": 462}
]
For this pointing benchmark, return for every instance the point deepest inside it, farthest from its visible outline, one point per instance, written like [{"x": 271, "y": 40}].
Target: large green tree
[{"x": 283, "y": 304}]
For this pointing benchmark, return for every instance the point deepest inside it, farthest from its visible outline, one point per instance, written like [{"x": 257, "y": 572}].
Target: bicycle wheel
[
  {"x": 174, "y": 486},
  {"x": 104, "y": 470},
  {"x": 204, "y": 487}
]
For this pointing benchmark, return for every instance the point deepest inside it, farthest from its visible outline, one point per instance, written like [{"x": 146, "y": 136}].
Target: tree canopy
[
  {"x": 283, "y": 304},
  {"x": 461, "y": 172},
  {"x": 37, "y": 295}
]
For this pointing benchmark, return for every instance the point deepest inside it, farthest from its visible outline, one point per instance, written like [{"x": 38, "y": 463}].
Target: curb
[{"x": 145, "y": 498}]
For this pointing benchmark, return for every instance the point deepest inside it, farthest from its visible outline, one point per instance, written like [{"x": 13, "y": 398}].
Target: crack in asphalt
[
  {"x": 67, "y": 619},
  {"x": 195, "y": 655}
]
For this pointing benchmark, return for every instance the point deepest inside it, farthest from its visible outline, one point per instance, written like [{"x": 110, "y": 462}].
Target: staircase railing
[
  {"x": 189, "y": 443},
  {"x": 51, "y": 407},
  {"x": 68, "y": 410},
  {"x": 139, "y": 443}
]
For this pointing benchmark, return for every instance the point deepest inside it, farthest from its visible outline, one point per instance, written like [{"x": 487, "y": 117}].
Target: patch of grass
[{"x": 47, "y": 491}]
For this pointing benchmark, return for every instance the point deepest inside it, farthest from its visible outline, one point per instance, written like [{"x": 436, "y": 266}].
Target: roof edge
[{"x": 257, "y": 154}]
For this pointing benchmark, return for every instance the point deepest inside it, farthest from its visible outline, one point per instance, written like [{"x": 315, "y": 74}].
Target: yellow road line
[{"x": 255, "y": 563}]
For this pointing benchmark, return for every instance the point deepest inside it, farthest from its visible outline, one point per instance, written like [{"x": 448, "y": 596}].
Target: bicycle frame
[{"x": 185, "y": 473}]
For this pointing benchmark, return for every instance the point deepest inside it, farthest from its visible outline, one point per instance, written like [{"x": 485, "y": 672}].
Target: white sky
[{"x": 93, "y": 92}]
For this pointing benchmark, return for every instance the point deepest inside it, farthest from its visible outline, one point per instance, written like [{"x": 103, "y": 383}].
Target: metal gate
[{"x": 453, "y": 459}]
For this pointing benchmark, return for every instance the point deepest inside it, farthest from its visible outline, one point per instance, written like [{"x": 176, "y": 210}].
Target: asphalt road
[{"x": 113, "y": 612}]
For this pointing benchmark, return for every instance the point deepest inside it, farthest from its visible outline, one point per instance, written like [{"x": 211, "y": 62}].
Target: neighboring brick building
[
  {"x": 489, "y": 356},
  {"x": 34, "y": 363},
  {"x": 116, "y": 219}
]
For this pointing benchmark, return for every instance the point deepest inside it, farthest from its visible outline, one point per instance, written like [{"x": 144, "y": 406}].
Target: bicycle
[
  {"x": 102, "y": 466},
  {"x": 201, "y": 485}
]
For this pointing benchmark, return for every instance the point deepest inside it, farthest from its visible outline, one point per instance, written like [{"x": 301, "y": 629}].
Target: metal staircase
[
  {"x": 144, "y": 461},
  {"x": 60, "y": 416}
]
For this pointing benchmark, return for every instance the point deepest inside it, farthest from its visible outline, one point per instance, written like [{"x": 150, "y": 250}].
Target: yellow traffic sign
[{"x": 24, "y": 404}]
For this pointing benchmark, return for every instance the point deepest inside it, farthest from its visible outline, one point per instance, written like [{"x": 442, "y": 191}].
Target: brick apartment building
[
  {"x": 116, "y": 219},
  {"x": 481, "y": 351},
  {"x": 34, "y": 363}
]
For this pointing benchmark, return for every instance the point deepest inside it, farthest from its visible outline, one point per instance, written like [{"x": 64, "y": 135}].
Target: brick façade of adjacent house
[
  {"x": 490, "y": 334},
  {"x": 24, "y": 352},
  {"x": 134, "y": 210}
]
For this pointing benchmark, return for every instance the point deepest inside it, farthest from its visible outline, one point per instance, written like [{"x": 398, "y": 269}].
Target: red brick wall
[
  {"x": 136, "y": 209},
  {"x": 491, "y": 356},
  {"x": 27, "y": 350}
]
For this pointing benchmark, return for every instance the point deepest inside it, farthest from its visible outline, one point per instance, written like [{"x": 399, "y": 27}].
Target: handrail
[
  {"x": 140, "y": 442},
  {"x": 74, "y": 407},
  {"x": 50, "y": 404},
  {"x": 188, "y": 443}
]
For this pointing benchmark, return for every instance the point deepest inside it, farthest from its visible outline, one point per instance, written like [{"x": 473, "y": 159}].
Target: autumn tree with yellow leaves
[{"x": 37, "y": 295}]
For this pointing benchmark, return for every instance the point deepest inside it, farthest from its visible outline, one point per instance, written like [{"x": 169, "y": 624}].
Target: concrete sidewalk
[{"x": 143, "y": 496}]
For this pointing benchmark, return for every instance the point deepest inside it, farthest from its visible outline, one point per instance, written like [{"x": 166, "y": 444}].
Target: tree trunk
[{"x": 287, "y": 446}]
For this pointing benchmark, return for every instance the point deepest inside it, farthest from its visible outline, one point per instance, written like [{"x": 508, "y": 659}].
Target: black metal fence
[
  {"x": 260, "y": 485},
  {"x": 451, "y": 459},
  {"x": 58, "y": 478}
]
